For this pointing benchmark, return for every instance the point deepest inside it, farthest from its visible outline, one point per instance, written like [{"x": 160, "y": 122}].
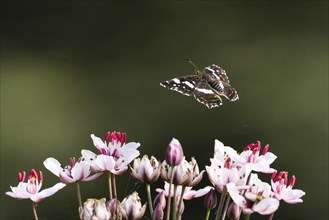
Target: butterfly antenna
[{"x": 190, "y": 61}]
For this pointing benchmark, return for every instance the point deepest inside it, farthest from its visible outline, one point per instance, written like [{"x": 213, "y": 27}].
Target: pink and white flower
[
  {"x": 131, "y": 207},
  {"x": 76, "y": 171},
  {"x": 145, "y": 169},
  {"x": 283, "y": 191},
  {"x": 251, "y": 156},
  {"x": 223, "y": 170},
  {"x": 31, "y": 188},
  {"x": 114, "y": 154},
  {"x": 254, "y": 197},
  {"x": 188, "y": 193},
  {"x": 186, "y": 173}
]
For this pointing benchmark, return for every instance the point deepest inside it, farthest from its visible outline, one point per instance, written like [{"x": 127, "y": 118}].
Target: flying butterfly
[{"x": 207, "y": 86}]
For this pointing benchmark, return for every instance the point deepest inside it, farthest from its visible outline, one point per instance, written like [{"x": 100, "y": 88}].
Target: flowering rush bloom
[
  {"x": 254, "y": 197},
  {"x": 283, "y": 191},
  {"x": 76, "y": 171},
  {"x": 223, "y": 170},
  {"x": 251, "y": 156},
  {"x": 131, "y": 207},
  {"x": 188, "y": 193},
  {"x": 186, "y": 173},
  {"x": 31, "y": 188},
  {"x": 146, "y": 170},
  {"x": 94, "y": 209},
  {"x": 114, "y": 153}
]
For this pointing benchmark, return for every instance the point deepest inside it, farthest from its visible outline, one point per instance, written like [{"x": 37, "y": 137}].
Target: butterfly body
[{"x": 207, "y": 86}]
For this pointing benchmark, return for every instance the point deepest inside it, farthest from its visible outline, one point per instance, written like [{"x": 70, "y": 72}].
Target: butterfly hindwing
[
  {"x": 229, "y": 92},
  {"x": 184, "y": 84},
  {"x": 205, "y": 95}
]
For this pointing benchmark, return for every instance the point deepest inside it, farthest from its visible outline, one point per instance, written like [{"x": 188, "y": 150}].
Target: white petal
[
  {"x": 47, "y": 192},
  {"x": 53, "y": 165},
  {"x": 98, "y": 143},
  {"x": 80, "y": 171},
  {"x": 266, "y": 206}
]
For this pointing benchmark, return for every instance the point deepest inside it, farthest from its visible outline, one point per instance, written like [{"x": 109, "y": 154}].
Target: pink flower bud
[
  {"x": 158, "y": 212},
  {"x": 233, "y": 211},
  {"x": 174, "y": 154},
  {"x": 146, "y": 170},
  {"x": 160, "y": 199},
  {"x": 94, "y": 209},
  {"x": 131, "y": 207},
  {"x": 210, "y": 200},
  {"x": 113, "y": 206}
]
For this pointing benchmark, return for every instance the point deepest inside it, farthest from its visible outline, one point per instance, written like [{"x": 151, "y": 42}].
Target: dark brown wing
[{"x": 205, "y": 95}]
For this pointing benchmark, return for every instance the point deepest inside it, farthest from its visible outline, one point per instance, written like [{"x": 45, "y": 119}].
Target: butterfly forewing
[
  {"x": 184, "y": 84},
  {"x": 216, "y": 72},
  {"x": 205, "y": 95}
]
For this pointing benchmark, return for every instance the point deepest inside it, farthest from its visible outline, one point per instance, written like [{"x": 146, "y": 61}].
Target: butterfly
[{"x": 207, "y": 86}]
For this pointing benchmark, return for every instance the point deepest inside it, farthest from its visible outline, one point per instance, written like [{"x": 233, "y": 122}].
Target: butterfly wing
[
  {"x": 205, "y": 95},
  {"x": 184, "y": 84},
  {"x": 216, "y": 72},
  {"x": 229, "y": 92}
]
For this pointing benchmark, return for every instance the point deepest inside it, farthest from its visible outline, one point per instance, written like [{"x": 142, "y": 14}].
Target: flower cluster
[{"x": 233, "y": 175}]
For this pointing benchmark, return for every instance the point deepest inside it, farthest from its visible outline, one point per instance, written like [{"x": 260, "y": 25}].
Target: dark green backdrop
[{"x": 70, "y": 69}]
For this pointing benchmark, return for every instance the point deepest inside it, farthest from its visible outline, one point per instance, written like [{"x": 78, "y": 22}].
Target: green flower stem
[
  {"x": 109, "y": 177},
  {"x": 174, "y": 203},
  {"x": 247, "y": 217},
  {"x": 221, "y": 203},
  {"x": 114, "y": 186},
  {"x": 34, "y": 206},
  {"x": 228, "y": 198},
  {"x": 79, "y": 194},
  {"x": 169, "y": 198},
  {"x": 149, "y": 197},
  {"x": 180, "y": 201},
  {"x": 208, "y": 213}
]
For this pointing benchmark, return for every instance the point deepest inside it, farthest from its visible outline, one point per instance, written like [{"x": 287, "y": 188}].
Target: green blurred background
[{"x": 70, "y": 69}]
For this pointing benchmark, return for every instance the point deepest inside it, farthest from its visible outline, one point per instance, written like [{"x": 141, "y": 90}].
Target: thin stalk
[
  {"x": 228, "y": 198},
  {"x": 169, "y": 198},
  {"x": 109, "y": 178},
  {"x": 79, "y": 194},
  {"x": 114, "y": 186},
  {"x": 208, "y": 213},
  {"x": 149, "y": 197},
  {"x": 271, "y": 216},
  {"x": 247, "y": 217},
  {"x": 221, "y": 203},
  {"x": 174, "y": 203},
  {"x": 34, "y": 206},
  {"x": 180, "y": 201}
]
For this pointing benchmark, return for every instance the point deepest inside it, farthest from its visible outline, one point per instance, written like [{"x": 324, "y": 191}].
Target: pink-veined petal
[
  {"x": 47, "y": 192},
  {"x": 80, "y": 171},
  {"x": 93, "y": 177},
  {"x": 105, "y": 163},
  {"x": 66, "y": 178},
  {"x": 98, "y": 143},
  {"x": 196, "y": 193},
  {"x": 235, "y": 195},
  {"x": 266, "y": 206},
  {"x": 19, "y": 192},
  {"x": 130, "y": 145},
  {"x": 292, "y": 196}
]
